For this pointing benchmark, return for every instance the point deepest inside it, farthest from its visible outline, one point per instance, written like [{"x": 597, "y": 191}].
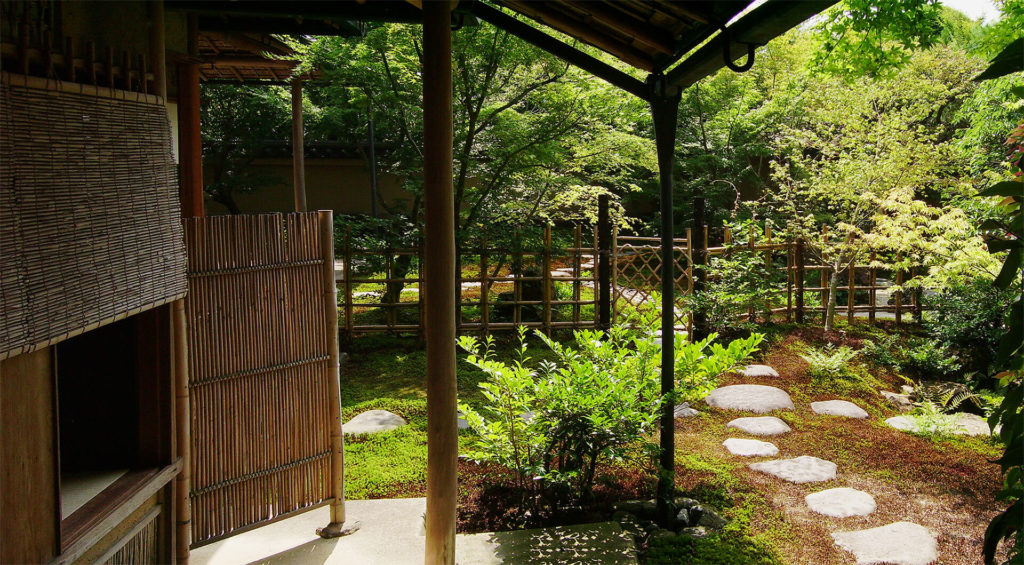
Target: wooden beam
[
  {"x": 761, "y": 25},
  {"x": 570, "y": 54},
  {"x": 249, "y": 62},
  {"x": 439, "y": 241},
  {"x": 326, "y": 218},
  {"x": 243, "y": 41},
  {"x": 642, "y": 32},
  {"x": 182, "y": 435},
  {"x": 298, "y": 148},
  {"x": 575, "y": 28}
]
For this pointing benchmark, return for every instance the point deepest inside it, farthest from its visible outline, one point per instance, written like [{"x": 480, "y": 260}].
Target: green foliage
[
  {"x": 829, "y": 362},
  {"x": 1008, "y": 236},
  {"x": 699, "y": 364},
  {"x": 969, "y": 320},
  {"x": 552, "y": 425},
  {"x": 875, "y": 36},
  {"x": 929, "y": 359},
  {"x": 931, "y": 419},
  {"x": 885, "y": 351}
]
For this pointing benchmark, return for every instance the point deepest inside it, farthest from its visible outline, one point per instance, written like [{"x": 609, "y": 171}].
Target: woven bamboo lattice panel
[
  {"x": 89, "y": 214},
  {"x": 259, "y": 374}
]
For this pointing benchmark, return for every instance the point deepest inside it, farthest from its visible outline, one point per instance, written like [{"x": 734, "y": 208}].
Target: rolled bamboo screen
[
  {"x": 89, "y": 215},
  {"x": 259, "y": 370}
]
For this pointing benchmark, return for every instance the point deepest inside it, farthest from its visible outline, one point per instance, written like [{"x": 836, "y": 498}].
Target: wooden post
[
  {"x": 825, "y": 272},
  {"x": 798, "y": 258},
  {"x": 576, "y": 273},
  {"x": 548, "y": 290},
  {"x": 899, "y": 293},
  {"x": 872, "y": 297},
  {"x": 604, "y": 275},
  {"x": 190, "y": 141},
  {"x": 689, "y": 278},
  {"x": 851, "y": 293},
  {"x": 347, "y": 269},
  {"x": 614, "y": 260},
  {"x": 484, "y": 287},
  {"x": 298, "y": 148},
  {"x": 182, "y": 435},
  {"x": 442, "y": 433},
  {"x": 595, "y": 259},
  {"x": 768, "y": 267},
  {"x": 751, "y": 243},
  {"x": 330, "y": 298},
  {"x": 918, "y": 308},
  {"x": 517, "y": 277},
  {"x": 157, "y": 50}
]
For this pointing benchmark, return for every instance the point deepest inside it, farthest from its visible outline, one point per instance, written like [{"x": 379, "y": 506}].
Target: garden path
[{"x": 901, "y": 543}]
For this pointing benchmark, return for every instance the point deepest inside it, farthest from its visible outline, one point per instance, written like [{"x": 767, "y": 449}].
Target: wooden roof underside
[
  {"x": 244, "y": 58},
  {"x": 648, "y": 35}
]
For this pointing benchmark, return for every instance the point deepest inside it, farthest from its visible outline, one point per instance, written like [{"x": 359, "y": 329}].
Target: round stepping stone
[
  {"x": 903, "y": 423},
  {"x": 838, "y": 408},
  {"x": 750, "y": 447},
  {"x": 899, "y": 543},
  {"x": 803, "y": 469},
  {"x": 684, "y": 411},
  {"x": 841, "y": 502},
  {"x": 760, "y": 426},
  {"x": 759, "y": 371},
  {"x": 372, "y": 422},
  {"x": 753, "y": 398}
]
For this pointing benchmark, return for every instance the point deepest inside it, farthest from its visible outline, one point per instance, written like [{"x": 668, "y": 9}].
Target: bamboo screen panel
[
  {"x": 89, "y": 213},
  {"x": 259, "y": 370}
]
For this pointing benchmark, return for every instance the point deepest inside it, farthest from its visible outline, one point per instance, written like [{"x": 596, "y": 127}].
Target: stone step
[
  {"x": 900, "y": 543},
  {"x": 760, "y": 425},
  {"x": 751, "y": 398},
  {"x": 842, "y": 408},
  {"x": 799, "y": 470},
  {"x": 750, "y": 447},
  {"x": 841, "y": 502},
  {"x": 372, "y": 422},
  {"x": 759, "y": 371}
]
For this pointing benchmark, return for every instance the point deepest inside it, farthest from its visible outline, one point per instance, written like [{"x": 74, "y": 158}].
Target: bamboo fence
[{"x": 260, "y": 373}]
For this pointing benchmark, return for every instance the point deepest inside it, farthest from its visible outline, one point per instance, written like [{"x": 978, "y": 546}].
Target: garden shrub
[
  {"x": 829, "y": 362},
  {"x": 931, "y": 359},
  {"x": 969, "y": 320},
  {"x": 554, "y": 422}
]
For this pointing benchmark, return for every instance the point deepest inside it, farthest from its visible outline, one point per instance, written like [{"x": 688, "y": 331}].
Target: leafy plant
[
  {"x": 700, "y": 364},
  {"x": 552, "y": 425},
  {"x": 885, "y": 352},
  {"x": 931, "y": 359},
  {"x": 829, "y": 362},
  {"x": 969, "y": 320},
  {"x": 931, "y": 419}
]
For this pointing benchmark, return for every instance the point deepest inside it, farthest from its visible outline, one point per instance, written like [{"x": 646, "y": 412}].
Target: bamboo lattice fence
[
  {"x": 537, "y": 284},
  {"x": 260, "y": 370}
]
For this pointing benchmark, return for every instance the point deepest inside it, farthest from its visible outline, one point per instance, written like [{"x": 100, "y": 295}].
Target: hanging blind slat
[{"x": 89, "y": 213}]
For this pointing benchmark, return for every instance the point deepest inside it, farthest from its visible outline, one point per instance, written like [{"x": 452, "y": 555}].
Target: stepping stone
[
  {"x": 759, "y": 371},
  {"x": 760, "y": 426},
  {"x": 841, "y": 502},
  {"x": 561, "y": 274},
  {"x": 750, "y": 447},
  {"x": 754, "y": 398},
  {"x": 900, "y": 400},
  {"x": 899, "y": 543},
  {"x": 971, "y": 424},
  {"x": 684, "y": 411},
  {"x": 803, "y": 469},
  {"x": 903, "y": 423},
  {"x": 838, "y": 408},
  {"x": 460, "y": 422},
  {"x": 372, "y": 422}
]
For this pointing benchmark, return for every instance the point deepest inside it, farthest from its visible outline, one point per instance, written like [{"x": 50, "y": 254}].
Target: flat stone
[
  {"x": 899, "y": 543},
  {"x": 684, "y": 411},
  {"x": 760, "y": 426},
  {"x": 897, "y": 399},
  {"x": 971, "y": 424},
  {"x": 759, "y": 371},
  {"x": 841, "y": 502},
  {"x": 372, "y": 422},
  {"x": 460, "y": 422},
  {"x": 750, "y": 447},
  {"x": 843, "y": 408},
  {"x": 561, "y": 274},
  {"x": 903, "y": 423},
  {"x": 753, "y": 398},
  {"x": 803, "y": 469}
]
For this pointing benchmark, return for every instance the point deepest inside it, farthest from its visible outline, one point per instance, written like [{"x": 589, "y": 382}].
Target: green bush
[
  {"x": 700, "y": 364},
  {"x": 931, "y": 359},
  {"x": 969, "y": 320},
  {"x": 553, "y": 425}
]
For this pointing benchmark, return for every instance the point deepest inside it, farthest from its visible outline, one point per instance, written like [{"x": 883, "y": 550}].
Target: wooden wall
[{"x": 29, "y": 531}]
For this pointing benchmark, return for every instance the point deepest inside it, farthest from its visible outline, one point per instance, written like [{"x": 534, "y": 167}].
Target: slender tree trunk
[{"x": 830, "y": 311}]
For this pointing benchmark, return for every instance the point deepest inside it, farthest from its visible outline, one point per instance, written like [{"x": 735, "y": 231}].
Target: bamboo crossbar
[
  {"x": 251, "y": 268},
  {"x": 257, "y": 474}
]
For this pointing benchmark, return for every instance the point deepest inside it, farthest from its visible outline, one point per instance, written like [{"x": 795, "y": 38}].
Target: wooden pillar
[
  {"x": 798, "y": 279},
  {"x": 664, "y": 111},
  {"x": 190, "y": 140},
  {"x": 439, "y": 230},
  {"x": 334, "y": 528},
  {"x": 698, "y": 267},
  {"x": 157, "y": 49},
  {"x": 298, "y": 148},
  {"x": 182, "y": 434}
]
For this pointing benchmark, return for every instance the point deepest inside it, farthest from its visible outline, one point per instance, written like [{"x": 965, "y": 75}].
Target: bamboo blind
[
  {"x": 141, "y": 547},
  {"x": 259, "y": 374},
  {"x": 89, "y": 228}
]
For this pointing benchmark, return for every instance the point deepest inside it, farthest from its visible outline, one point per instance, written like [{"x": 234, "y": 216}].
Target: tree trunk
[
  {"x": 830, "y": 311},
  {"x": 400, "y": 268}
]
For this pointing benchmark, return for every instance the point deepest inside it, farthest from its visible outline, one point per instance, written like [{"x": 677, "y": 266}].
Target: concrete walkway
[{"x": 391, "y": 533}]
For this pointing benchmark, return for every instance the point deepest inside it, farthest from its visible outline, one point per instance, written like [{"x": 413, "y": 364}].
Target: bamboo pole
[
  {"x": 298, "y": 148},
  {"x": 799, "y": 280},
  {"x": 442, "y": 433},
  {"x": 576, "y": 272},
  {"x": 614, "y": 257},
  {"x": 850, "y": 294},
  {"x": 347, "y": 269},
  {"x": 484, "y": 286},
  {"x": 873, "y": 284},
  {"x": 596, "y": 261},
  {"x": 899, "y": 293},
  {"x": 546, "y": 292},
  {"x": 330, "y": 299},
  {"x": 182, "y": 435}
]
